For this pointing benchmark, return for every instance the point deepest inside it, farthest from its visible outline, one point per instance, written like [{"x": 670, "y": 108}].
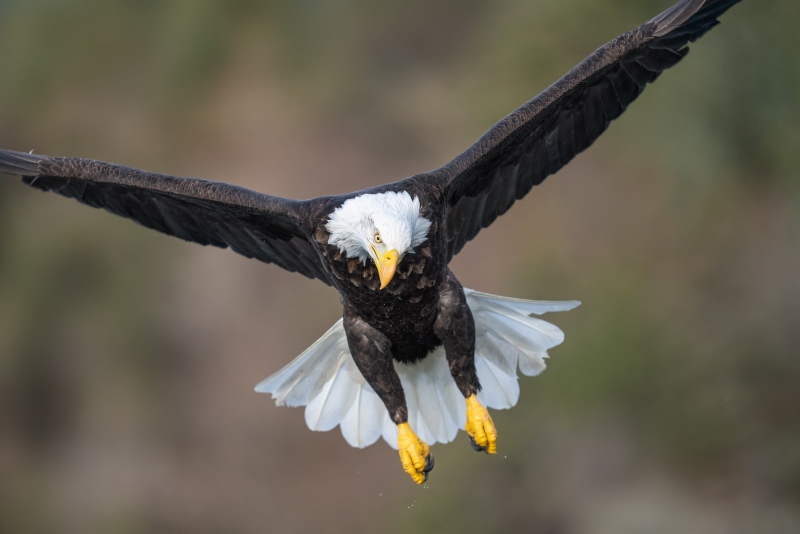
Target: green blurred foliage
[{"x": 672, "y": 406}]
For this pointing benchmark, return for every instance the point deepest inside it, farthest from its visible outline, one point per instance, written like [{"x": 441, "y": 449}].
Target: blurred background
[{"x": 128, "y": 358}]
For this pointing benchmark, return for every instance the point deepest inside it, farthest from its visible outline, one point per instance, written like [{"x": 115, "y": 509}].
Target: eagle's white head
[{"x": 383, "y": 226}]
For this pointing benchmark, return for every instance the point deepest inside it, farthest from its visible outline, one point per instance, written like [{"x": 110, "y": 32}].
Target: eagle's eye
[{"x": 378, "y": 238}]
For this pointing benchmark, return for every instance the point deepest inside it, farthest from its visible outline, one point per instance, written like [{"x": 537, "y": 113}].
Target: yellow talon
[
  {"x": 480, "y": 426},
  {"x": 414, "y": 453}
]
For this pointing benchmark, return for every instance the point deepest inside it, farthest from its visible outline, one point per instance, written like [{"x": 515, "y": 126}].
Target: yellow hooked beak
[{"x": 386, "y": 264}]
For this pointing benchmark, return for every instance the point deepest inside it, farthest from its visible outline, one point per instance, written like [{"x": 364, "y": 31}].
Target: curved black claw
[
  {"x": 428, "y": 466},
  {"x": 475, "y": 446}
]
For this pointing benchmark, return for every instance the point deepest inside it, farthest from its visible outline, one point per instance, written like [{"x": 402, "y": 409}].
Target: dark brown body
[{"x": 422, "y": 308}]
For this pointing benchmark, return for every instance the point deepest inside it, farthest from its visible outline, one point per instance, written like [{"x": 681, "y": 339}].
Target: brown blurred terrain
[{"x": 128, "y": 358}]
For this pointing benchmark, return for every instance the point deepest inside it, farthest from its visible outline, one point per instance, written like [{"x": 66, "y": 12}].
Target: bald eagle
[{"x": 416, "y": 356}]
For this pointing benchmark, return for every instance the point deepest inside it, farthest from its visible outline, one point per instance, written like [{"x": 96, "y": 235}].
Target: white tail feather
[
  {"x": 327, "y": 382},
  {"x": 428, "y": 383},
  {"x": 362, "y": 424}
]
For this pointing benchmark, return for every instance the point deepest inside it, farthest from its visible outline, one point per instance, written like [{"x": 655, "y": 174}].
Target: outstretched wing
[
  {"x": 264, "y": 227},
  {"x": 542, "y": 136}
]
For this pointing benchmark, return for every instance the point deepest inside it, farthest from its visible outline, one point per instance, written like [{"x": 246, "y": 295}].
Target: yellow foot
[
  {"x": 414, "y": 453},
  {"x": 480, "y": 427}
]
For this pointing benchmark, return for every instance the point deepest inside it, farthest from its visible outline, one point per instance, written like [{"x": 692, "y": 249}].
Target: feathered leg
[
  {"x": 455, "y": 328},
  {"x": 371, "y": 351}
]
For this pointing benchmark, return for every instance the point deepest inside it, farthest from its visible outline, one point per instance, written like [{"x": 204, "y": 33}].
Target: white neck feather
[{"x": 395, "y": 216}]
